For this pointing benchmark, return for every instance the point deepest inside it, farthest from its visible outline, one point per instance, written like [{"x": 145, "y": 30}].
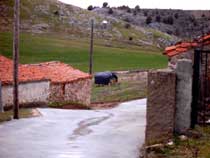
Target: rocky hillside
[
  {"x": 180, "y": 23},
  {"x": 141, "y": 27},
  {"x": 151, "y": 27},
  {"x": 52, "y": 16}
]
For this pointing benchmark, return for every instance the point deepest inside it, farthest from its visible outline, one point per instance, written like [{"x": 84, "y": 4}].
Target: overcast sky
[{"x": 166, "y": 4}]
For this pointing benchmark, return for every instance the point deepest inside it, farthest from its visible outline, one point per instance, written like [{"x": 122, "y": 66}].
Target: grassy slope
[
  {"x": 8, "y": 115},
  {"x": 124, "y": 91},
  {"x": 40, "y": 48}
]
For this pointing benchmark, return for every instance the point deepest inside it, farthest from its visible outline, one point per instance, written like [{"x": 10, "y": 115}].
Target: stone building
[{"x": 44, "y": 83}]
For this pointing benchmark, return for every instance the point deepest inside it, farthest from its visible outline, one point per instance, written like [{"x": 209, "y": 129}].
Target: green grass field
[
  {"x": 8, "y": 115},
  {"x": 121, "y": 56}
]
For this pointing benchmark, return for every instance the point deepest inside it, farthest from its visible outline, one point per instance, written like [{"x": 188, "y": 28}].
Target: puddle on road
[{"x": 83, "y": 129}]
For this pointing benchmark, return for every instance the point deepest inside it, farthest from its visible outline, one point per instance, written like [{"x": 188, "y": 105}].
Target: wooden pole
[
  {"x": 1, "y": 103},
  {"x": 16, "y": 57},
  {"x": 91, "y": 49}
]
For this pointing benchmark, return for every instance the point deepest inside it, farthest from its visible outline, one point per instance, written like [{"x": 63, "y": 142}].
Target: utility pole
[
  {"x": 1, "y": 103},
  {"x": 91, "y": 48},
  {"x": 16, "y": 57}
]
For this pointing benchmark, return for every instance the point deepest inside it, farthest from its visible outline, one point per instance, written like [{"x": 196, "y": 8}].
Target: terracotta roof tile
[
  {"x": 182, "y": 47},
  {"x": 56, "y": 72}
]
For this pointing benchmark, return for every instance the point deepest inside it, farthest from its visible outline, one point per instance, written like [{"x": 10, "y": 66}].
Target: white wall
[{"x": 33, "y": 92}]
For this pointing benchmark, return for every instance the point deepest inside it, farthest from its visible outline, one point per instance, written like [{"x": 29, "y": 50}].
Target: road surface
[{"x": 112, "y": 133}]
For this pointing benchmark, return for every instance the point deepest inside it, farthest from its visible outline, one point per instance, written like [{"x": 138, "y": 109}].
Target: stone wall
[
  {"x": 57, "y": 93},
  {"x": 31, "y": 92},
  {"x": 160, "y": 106},
  {"x": 184, "y": 73},
  {"x": 132, "y": 76},
  {"x": 78, "y": 92}
]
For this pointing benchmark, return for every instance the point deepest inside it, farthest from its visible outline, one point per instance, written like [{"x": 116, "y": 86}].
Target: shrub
[
  {"x": 176, "y": 15},
  {"x": 56, "y": 13},
  {"x": 90, "y": 7},
  {"x": 168, "y": 20},
  {"x": 110, "y": 11},
  {"x": 195, "y": 23},
  {"x": 192, "y": 19},
  {"x": 127, "y": 26},
  {"x": 158, "y": 18},
  {"x": 130, "y": 38},
  {"x": 203, "y": 15},
  {"x": 148, "y": 20}
]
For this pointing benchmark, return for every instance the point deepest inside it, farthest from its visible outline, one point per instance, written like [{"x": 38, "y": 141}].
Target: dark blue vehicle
[{"x": 105, "y": 78}]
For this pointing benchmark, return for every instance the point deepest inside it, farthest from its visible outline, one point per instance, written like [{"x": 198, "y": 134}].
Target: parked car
[{"x": 105, "y": 78}]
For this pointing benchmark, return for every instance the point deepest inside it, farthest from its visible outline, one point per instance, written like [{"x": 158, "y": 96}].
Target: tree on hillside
[
  {"x": 90, "y": 7},
  {"x": 137, "y": 8},
  {"x": 105, "y": 5},
  {"x": 176, "y": 15}
]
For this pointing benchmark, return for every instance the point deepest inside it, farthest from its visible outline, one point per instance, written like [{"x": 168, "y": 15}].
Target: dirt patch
[
  {"x": 35, "y": 113},
  {"x": 72, "y": 107},
  {"x": 93, "y": 106}
]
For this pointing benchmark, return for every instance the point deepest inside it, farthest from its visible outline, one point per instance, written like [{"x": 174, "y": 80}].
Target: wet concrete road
[{"x": 113, "y": 133}]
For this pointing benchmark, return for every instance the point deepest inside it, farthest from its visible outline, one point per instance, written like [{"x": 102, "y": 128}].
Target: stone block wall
[
  {"x": 77, "y": 92},
  {"x": 57, "y": 93},
  {"x": 160, "y": 106},
  {"x": 132, "y": 76},
  {"x": 31, "y": 92}
]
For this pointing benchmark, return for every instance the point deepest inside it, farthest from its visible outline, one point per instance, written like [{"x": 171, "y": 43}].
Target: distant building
[
  {"x": 104, "y": 23},
  {"x": 45, "y": 82}
]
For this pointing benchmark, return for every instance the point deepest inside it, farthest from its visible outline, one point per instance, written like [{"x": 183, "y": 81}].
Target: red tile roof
[
  {"x": 56, "y": 72},
  {"x": 182, "y": 47}
]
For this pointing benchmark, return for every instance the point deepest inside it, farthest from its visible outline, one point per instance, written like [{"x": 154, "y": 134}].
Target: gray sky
[{"x": 166, "y": 4}]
